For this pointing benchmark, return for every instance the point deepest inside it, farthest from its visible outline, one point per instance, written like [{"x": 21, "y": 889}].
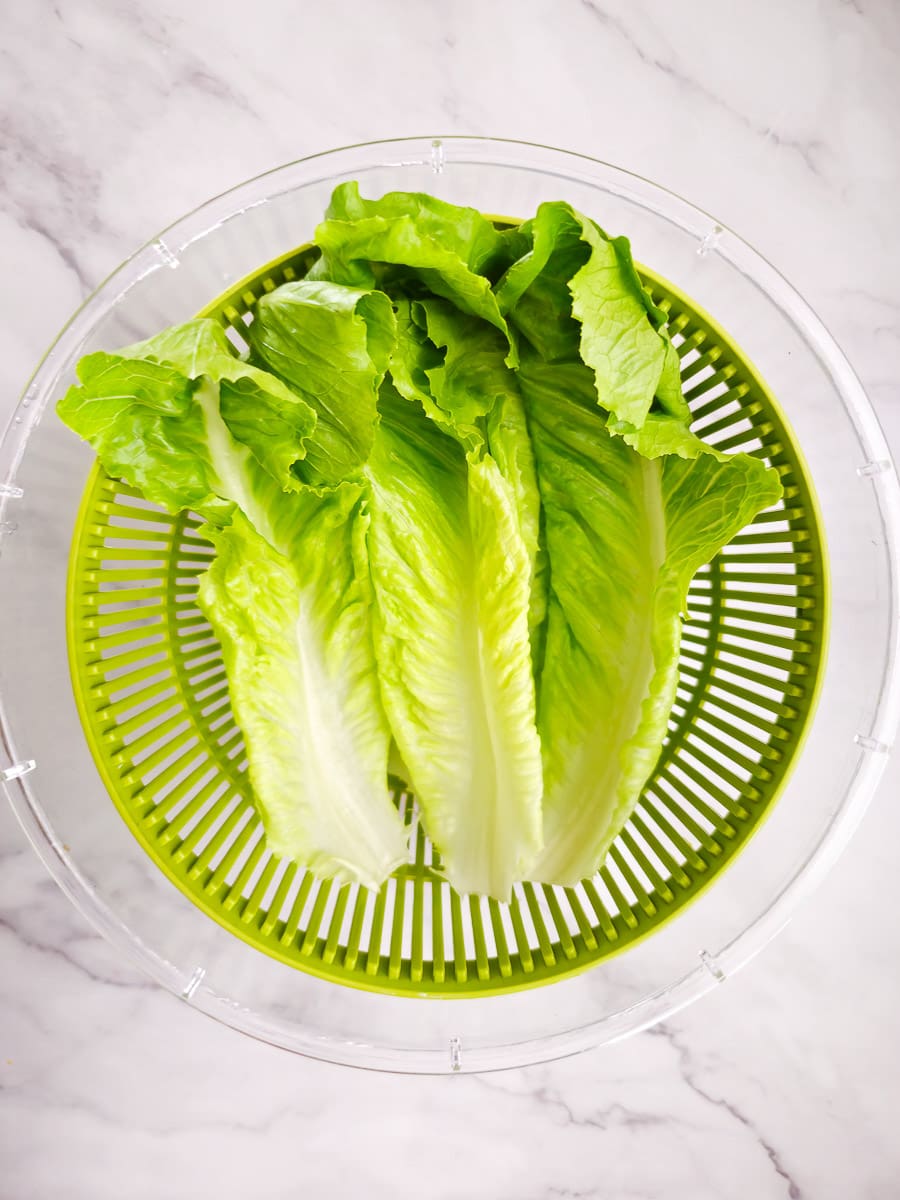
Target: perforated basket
[{"x": 153, "y": 696}]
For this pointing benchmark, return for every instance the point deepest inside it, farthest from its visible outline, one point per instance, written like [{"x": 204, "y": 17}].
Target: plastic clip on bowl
[{"x": 767, "y": 636}]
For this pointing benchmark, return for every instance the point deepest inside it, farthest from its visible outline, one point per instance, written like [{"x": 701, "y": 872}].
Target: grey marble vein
[
  {"x": 809, "y": 150},
  {"x": 689, "y": 1074}
]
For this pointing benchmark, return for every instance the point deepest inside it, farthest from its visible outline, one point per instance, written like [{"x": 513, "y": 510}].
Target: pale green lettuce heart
[
  {"x": 454, "y": 366},
  {"x": 296, "y": 641},
  {"x": 287, "y": 595},
  {"x": 450, "y": 579}
]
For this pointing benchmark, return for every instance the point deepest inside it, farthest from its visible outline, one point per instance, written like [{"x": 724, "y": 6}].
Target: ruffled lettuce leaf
[
  {"x": 450, "y": 577},
  {"x": 181, "y": 418},
  {"x": 625, "y": 535},
  {"x": 576, "y": 295},
  {"x": 470, "y": 391},
  {"x": 534, "y": 292},
  {"x": 296, "y": 642},
  {"x": 188, "y": 423},
  {"x": 331, "y": 345},
  {"x": 408, "y": 243}
]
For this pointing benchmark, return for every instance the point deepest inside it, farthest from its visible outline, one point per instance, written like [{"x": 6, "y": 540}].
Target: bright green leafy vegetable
[
  {"x": 623, "y": 338},
  {"x": 454, "y": 365},
  {"x": 534, "y": 292},
  {"x": 297, "y": 646},
  {"x": 331, "y": 345},
  {"x": 456, "y": 504},
  {"x": 451, "y": 251},
  {"x": 625, "y": 535},
  {"x": 187, "y": 422},
  {"x": 183, "y": 419},
  {"x": 576, "y": 296},
  {"x": 450, "y": 575}
]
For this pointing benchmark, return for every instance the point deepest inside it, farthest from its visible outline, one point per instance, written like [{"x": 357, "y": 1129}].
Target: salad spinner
[{"x": 125, "y": 767}]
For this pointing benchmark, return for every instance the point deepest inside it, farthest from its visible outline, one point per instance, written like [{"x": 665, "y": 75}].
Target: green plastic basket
[{"x": 152, "y": 694}]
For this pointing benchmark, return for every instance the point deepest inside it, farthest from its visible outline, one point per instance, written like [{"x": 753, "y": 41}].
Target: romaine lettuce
[
  {"x": 576, "y": 295},
  {"x": 457, "y": 505},
  {"x": 450, "y": 576},
  {"x": 466, "y": 386},
  {"x": 331, "y": 345},
  {"x": 192, "y": 426},
  {"x": 406, "y": 236},
  {"x": 188, "y": 423},
  {"x": 625, "y": 535},
  {"x": 297, "y": 646}
]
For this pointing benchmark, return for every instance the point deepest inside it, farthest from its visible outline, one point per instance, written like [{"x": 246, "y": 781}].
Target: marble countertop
[{"x": 780, "y": 119}]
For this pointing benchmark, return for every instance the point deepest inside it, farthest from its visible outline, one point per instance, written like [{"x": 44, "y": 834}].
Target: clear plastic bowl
[{"x": 61, "y": 802}]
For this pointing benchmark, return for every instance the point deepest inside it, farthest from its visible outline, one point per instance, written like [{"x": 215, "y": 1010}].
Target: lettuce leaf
[
  {"x": 454, "y": 366},
  {"x": 576, "y": 295},
  {"x": 192, "y": 426},
  {"x": 450, "y": 580},
  {"x": 534, "y": 292},
  {"x": 457, "y": 504},
  {"x": 477, "y": 398},
  {"x": 415, "y": 355},
  {"x": 623, "y": 338},
  {"x": 297, "y": 647},
  {"x": 625, "y": 535},
  {"x": 184, "y": 420},
  {"x": 410, "y": 238},
  {"x": 331, "y": 345}
]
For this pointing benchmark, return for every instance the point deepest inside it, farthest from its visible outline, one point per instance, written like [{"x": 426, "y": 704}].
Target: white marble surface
[{"x": 783, "y": 120}]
